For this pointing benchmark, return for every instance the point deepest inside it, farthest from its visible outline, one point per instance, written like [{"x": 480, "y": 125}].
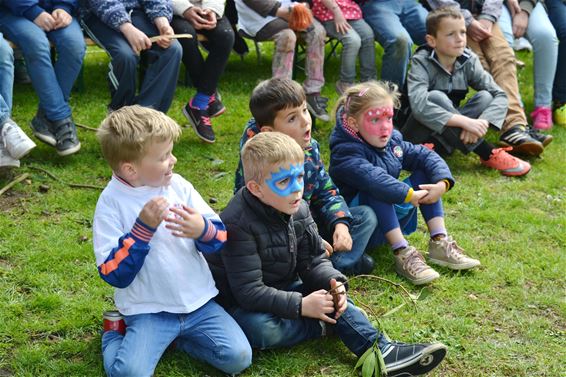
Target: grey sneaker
[
  {"x": 317, "y": 106},
  {"x": 65, "y": 133},
  {"x": 446, "y": 252},
  {"x": 342, "y": 86},
  {"x": 41, "y": 127},
  {"x": 15, "y": 140},
  {"x": 7, "y": 161},
  {"x": 410, "y": 264}
]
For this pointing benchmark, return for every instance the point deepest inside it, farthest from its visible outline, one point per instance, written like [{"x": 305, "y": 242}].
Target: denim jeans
[
  {"x": 356, "y": 41},
  {"x": 160, "y": 79},
  {"x": 208, "y": 334},
  {"x": 396, "y": 25},
  {"x": 542, "y": 36},
  {"x": 6, "y": 79},
  {"x": 362, "y": 227},
  {"x": 267, "y": 330},
  {"x": 52, "y": 82},
  {"x": 557, "y": 15}
]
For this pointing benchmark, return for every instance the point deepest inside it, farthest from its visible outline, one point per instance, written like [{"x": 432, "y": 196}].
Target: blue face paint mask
[{"x": 293, "y": 174}]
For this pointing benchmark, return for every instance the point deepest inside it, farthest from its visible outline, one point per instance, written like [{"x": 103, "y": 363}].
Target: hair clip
[{"x": 363, "y": 91}]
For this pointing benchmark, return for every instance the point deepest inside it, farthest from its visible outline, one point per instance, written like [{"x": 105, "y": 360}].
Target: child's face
[
  {"x": 156, "y": 166},
  {"x": 450, "y": 39},
  {"x": 283, "y": 186},
  {"x": 294, "y": 122},
  {"x": 375, "y": 123}
]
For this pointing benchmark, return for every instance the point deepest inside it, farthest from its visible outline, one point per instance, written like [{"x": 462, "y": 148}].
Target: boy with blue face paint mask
[{"x": 273, "y": 275}]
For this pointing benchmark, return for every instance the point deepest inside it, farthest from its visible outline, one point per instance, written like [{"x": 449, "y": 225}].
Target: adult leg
[
  {"x": 351, "y": 44},
  {"x": 285, "y": 40},
  {"x": 138, "y": 351},
  {"x": 413, "y": 18},
  {"x": 314, "y": 61},
  {"x": 557, "y": 15},
  {"x": 506, "y": 25},
  {"x": 368, "y": 69},
  {"x": 6, "y": 80},
  {"x": 211, "y": 335}
]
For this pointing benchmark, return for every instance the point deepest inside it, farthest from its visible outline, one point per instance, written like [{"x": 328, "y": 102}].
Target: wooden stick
[
  {"x": 14, "y": 182},
  {"x": 174, "y": 36},
  {"x": 86, "y": 127},
  {"x": 74, "y": 185}
]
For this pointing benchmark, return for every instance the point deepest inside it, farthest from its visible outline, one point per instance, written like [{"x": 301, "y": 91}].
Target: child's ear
[
  {"x": 254, "y": 188},
  {"x": 430, "y": 40},
  {"x": 353, "y": 124},
  {"x": 127, "y": 170},
  {"x": 266, "y": 129}
]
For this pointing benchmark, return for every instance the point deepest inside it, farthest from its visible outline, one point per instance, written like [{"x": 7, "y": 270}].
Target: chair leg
[{"x": 257, "y": 52}]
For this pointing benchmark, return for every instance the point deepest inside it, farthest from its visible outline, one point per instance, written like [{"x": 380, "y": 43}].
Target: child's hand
[
  {"x": 154, "y": 211},
  {"x": 435, "y": 192},
  {"x": 327, "y": 248},
  {"x": 341, "y": 24},
  {"x": 45, "y": 21},
  {"x": 478, "y": 127},
  {"x": 62, "y": 18},
  {"x": 341, "y": 239},
  {"x": 136, "y": 38},
  {"x": 338, "y": 297},
  {"x": 317, "y": 305},
  {"x": 417, "y": 197},
  {"x": 188, "y": 223},
  {"x": 468, "y": 137}
]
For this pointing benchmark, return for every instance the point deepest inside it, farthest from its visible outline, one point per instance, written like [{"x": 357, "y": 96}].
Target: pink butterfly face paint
[{"x": 377, "y": 125}]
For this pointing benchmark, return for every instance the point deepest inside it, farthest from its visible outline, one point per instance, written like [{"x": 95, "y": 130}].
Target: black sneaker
[
  {"x": 521, "y": 141},
  {"x": 200, "y": 121},
  {"x": 41, "y": 128},
  {"x": 404, "y": 360},
  {"x": 65, "y": 133},
  {"x": 317, "y": 106},
  {"x": 215, "y": 105},
  {"x": 543, "y": 138},
  {"x": 365, "y": 265}
]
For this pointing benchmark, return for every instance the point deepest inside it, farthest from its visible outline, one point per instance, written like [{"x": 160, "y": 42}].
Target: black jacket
[{"x": 266, "y": 251}]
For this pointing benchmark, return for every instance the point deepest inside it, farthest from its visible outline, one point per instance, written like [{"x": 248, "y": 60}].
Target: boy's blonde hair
[
  {"x": 358, "y": 97},
  {"x": 434, "y": 18},
  {"x": 267, "y": 149},
  {"x": 125, "y": 133}
]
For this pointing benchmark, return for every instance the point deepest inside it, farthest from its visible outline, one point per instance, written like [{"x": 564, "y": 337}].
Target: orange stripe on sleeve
[{"x": 119, "y": 256}]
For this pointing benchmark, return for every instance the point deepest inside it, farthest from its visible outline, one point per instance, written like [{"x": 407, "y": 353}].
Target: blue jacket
[
  {"x": 117, "y": 12},
  {"x": 357, "y": 166},
  {"x": 325, "y": 202},
  {"x": 30, "y": 9}
]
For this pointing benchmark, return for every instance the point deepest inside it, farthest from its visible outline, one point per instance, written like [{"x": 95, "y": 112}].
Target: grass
[{"x": 505, "y": 319}]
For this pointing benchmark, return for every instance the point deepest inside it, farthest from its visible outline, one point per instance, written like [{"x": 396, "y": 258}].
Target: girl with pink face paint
[{"x": 367, "y": 157}]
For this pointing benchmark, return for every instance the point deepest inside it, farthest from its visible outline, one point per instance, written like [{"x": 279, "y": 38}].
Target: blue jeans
[
  {"x": 52, "y": 82},
  {"x": 160, "y": 79},
  {"x": 6, "y": 79},
  {"x": 396, "y": 25},
  {"x": 208, "y": 334},
  {"x": 557, "y": 15},
  {"x": 542, "y": 36},
  {"x": 267, "y": 330},
  {"x": 362, "y": 227},
  {"x": 356, "y": 41}
]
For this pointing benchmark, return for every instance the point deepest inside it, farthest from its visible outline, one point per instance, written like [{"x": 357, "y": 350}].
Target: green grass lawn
[{"x": 507, "y": 318}]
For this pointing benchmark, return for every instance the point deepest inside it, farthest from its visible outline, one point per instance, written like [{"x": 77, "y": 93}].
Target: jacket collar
[
  {"x": 264, "y": 211},
  {"x": 432, "y": 56}
]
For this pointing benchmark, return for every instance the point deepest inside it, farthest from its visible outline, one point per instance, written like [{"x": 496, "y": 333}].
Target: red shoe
[
  {"x": 508, "y": 165},
  {"x": 542, "y": 118},
  {"x": 112, "y": 320}
]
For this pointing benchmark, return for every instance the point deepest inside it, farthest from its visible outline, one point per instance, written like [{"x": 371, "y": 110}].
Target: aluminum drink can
[{"x": 113, "y": 321}]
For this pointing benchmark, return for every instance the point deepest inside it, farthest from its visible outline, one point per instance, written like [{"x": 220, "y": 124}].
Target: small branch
[
  {"x": 73, "y": 185},
  {"x": 13, "y": 183},
  {"x": 86, "y": 127}
]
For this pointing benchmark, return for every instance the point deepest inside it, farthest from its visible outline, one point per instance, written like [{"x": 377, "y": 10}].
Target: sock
[
  {"x": 200, "y": 101},
  {"x": 484, "y": 150},
  {"x": 438, "y": 233},
  {"x": 400, "y": 245}
]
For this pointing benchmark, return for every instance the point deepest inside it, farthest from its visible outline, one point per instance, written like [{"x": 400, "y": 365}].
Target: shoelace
[
  {"x": 212, "y": 98},
  {"x": 500, "y": 155},
  {"x": 415, "y": 262},
  {"x": 454, "y": 250},
  {"x": 206, "y": 121},
  {"x": 12, "y": 133}
]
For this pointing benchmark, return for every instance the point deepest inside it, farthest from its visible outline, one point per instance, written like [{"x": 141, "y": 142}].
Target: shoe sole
[
  {"x": 453, "y": 266},
  {"x": 324, "y": 118},
  {"x": 21, "y": 150},
  {"x": 421, "y": 281},
  {"x": 531, "y": 149},
  {"x": 218, "y": 113},
  {"x": 194, "y": 127},
  {"x": 69, "y": 151},
  {"x": 429, "y": 359},
  {"x": 49, "y": 140}
]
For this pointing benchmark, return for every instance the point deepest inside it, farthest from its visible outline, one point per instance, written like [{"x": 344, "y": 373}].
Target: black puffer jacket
[{"x": 265, "y": 252}]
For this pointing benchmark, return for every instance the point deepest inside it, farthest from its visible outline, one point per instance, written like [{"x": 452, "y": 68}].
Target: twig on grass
[
  {"x": 13, "y": 183},
  {"x": 86, "y": 127},
  {"x": 74, "y": 185}
]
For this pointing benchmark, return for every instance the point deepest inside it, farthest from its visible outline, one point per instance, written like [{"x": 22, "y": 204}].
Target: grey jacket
[{"x": 428, "y": 74}]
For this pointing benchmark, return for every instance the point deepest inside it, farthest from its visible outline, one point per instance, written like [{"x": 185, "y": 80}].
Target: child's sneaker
[
  {"x": 65, "y": 132},
  {"x": 521, "y": 141},
  {"x": 317, "y": 106},
  {"x": 508, "y": 165},
  {"x": 560, "y": 115},
  {"x": 410, "y": 264},
  {"x": 6, "y": 160},
  {"x": 200, "y": 121},
  {"x": 41, "y": 127},
  {"x": 15, "y": 140},
  {"x": 542, "y": 118},
  {"x": 342, "y": 86},
  {"x": 543, "y": 138},
  {"x": 112, "y": 320},
  {"x": 215, "y": 105},
  {"x": 405, "y": 359},
  {"x": 446, "y": 252}
]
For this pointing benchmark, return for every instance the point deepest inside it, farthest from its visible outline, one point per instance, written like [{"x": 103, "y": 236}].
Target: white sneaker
[
  {"x": 7, "y": 161},
  {"x": 15, "y": 140},
  {"x": 521, "y": 44}
]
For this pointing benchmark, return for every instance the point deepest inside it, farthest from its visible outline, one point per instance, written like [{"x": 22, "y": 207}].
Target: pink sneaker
[{"x": 542, "y": 118}]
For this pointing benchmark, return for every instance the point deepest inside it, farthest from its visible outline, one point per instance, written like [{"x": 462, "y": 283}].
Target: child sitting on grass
[
  {"x": 150, "y": 230},
  {"x": 367, "y": 156},
  {"x": 280, "y": 105},
  {"x": 273, "y": 274}
]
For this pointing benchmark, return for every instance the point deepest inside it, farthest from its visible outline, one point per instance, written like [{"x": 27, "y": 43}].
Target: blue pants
[
  {"x": 267, "y": 330},
  {"x": 557, "y": 15},
  {"x": 160, "y": 80},
  {"x": 208, "y": 334},
  {"x": 6, "y": 80},
  {"x": 52, "y": 82},
  {"x": 396, "y": 25},
  {"x": 390, "y": 216},
  {"x": 362, "y": 227}
]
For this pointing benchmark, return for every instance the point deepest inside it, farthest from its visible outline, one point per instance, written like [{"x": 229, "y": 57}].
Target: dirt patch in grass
[{"x": 11, "y": 199}]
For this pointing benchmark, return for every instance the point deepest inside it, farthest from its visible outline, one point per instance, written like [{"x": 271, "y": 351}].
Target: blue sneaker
[{"x": 41, "y": 127}]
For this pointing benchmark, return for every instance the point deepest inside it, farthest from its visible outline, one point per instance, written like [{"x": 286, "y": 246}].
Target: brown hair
[
  {"x": 434, "y": 17},
  {"x": 273, "y": 95}
]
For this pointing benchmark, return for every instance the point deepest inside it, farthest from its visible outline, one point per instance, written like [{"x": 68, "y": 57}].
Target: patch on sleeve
[{"x": 398, "y": 151}]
